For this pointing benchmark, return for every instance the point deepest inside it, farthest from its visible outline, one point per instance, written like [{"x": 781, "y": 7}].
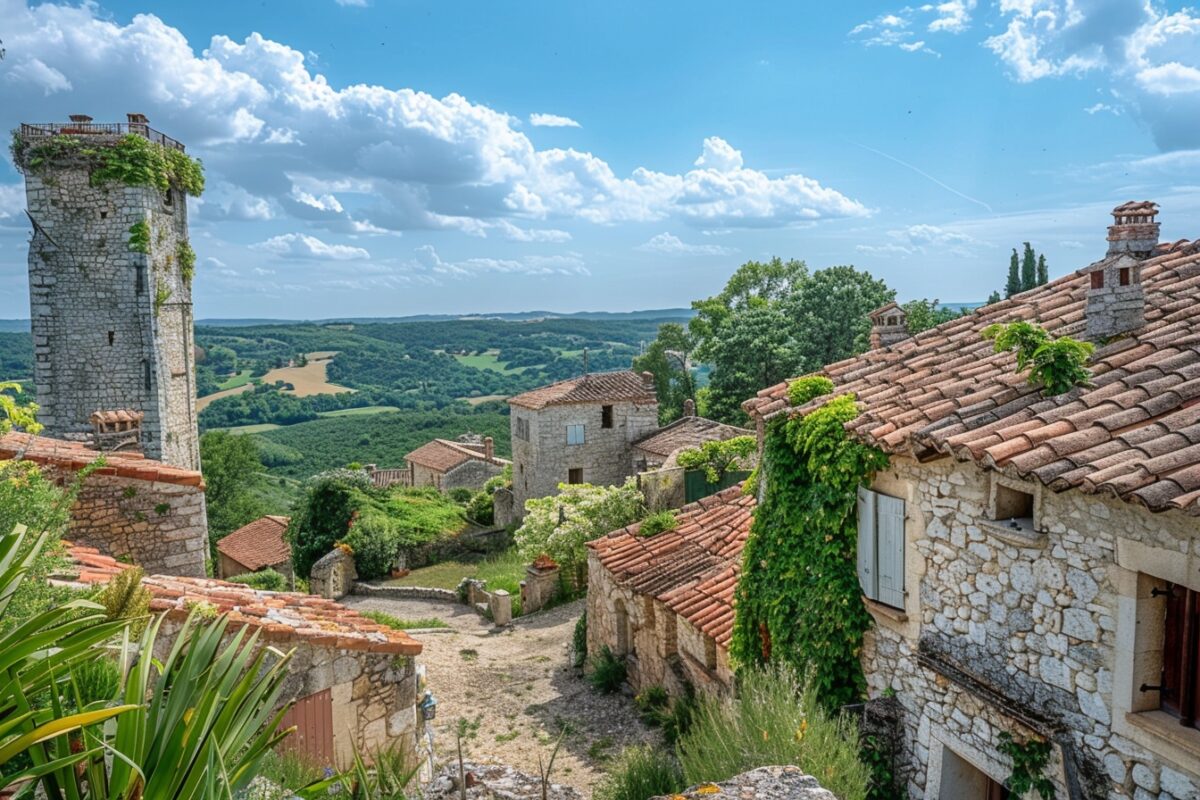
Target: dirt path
[{"x": 521, "y": 688}]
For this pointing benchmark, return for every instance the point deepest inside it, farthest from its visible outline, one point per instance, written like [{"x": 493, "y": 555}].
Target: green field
[
  {"x": 489, "y": 361},
  {"x": 357, "y": 412},
  {"x": 259, "y": 427},
  {"x": 234, "y": 381}
]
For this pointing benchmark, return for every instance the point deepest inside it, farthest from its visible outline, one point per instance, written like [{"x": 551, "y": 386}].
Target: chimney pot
[
  {"x": 1116, "y": 303},
  {"x": 1134, "y": 230},
  {"x": 889, "y": 325},
  {"x": 689, "y": 407},
  {"x": 82, "y": 118},
  {"x": 489, "y": 448}
]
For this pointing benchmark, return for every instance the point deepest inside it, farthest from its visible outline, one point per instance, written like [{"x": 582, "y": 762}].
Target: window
[
  {"x": 575, "y": 475},
  {"x": 606, "y": 417},
  {"x": 522, "y": 431},
  {"x": 881, "y": 547},
  {"x": 1097, "y": 280},
  {"x": 1124, "y": 276},
  {"x": 575, "y": 434},
  {"x": 1180, "y": 689}
]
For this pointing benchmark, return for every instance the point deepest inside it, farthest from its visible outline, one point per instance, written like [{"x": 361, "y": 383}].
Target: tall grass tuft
[
  {"x": 638, "y": 773},
  {"x": 608, "y": 671},
  {"x": 775, "y": 719}
]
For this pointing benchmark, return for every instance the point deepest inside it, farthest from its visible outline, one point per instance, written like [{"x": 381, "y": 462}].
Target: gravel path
[{"x": 521, "y": 688}]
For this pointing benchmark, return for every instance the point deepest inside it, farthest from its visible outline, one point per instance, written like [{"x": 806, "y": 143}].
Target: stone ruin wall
[
  {"x": 86, "y": 284},
  {"x": 1025, "y": 636},
  {"x": 161, "y": 527}
]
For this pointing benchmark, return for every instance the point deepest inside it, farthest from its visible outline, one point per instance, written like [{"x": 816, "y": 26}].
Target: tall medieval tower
[{"x": 110, "y": 272}]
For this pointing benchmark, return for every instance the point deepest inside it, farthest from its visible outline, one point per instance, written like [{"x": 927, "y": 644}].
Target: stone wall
[
  {"x": 606, "y": 457},
  {"x": 1031, "y": 632},
  {"x": 471, "y": 475},
  {"x": 101, "y": 341},
  {"x": 764, "y": 783},
  {"x": 333, "y": 575},
  {"x": 159, "y": 526},
  {"x": 663, "y": 488}
]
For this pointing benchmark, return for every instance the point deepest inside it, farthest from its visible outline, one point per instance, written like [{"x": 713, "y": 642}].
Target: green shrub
[
  {"x": 639, "y": 773},
  {"x": 267, "y": 580},
  {"x": 579, "y": 641},
  {"x": 187, "y": 261},
  {"x": 460, "y": 494},
  {"x": 775, "y": 719},
  {"x": 1056, "y": 365},
  {"x": 658, "y": 522},
  {"x": 608, "y": 671},
  {"x": 480, "y": 509},
  {"x": 717, "y": 458},
  {"x": 139, "y": 237},
  {"x": 97, "y": 680},
  {"x": 323, "y": 515},
  {"x": 653, "y": 703},
  {"x": 136, "y": 161},
  {"x": 125, "y": 598},
  {"x": 386, "y": 521},
  {"x": 802, "y": 390}
]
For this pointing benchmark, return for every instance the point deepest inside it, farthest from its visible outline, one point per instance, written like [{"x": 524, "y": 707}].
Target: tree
[
  {"x": 14, "y": 415},
  {"x": 828, "y": 315},
  {"x": 1043, "y": 272},
  {"x": 323, "y": 517},
  {"x": 925, "y": 314},
  {"x": 230, "y": 463},
  {"x": 754, "y": 348},
  {"x": 1013, "y": 284},
  {"x": 1028, "y": 269},
  {"x": 994, "y": 297},
  {"x": 667, "y": 358}
]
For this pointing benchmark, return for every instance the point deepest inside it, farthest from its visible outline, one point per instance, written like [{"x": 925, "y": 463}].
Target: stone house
[
  {"x": 1031, "y": 563},
  {"x": 354, "y": 683},
  {"x": 665, "y": 602},
  {"x": 133, "y": 508},
  {"x": 580, "y": 430},
  {"x": 255, "y": 546},
  {"x": 446, "y": 465},
  {"x": 659, "y": 448}
]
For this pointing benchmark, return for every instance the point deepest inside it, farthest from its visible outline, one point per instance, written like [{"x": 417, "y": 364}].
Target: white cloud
[
  {"x": 281, "y": 134},
  {"x": 899, "y": 29},
  {"x": 352, "y": 3},
  {"x": 300, "y": 245},
  {"x": 552, "y": 121},
  {"x": 1097, "y": 108},
  {"x": 516, "y": 233},
  {"x": 12, "y": 201},
  {"x": 672, "y": 245},
  {"x": 426, "y": 259},
  {"x": 953, "y": 16},
  {"x": 920, "y": 240},
  {"x": 1169, "y": 79}
]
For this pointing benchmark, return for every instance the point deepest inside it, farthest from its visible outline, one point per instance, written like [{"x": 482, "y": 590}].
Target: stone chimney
[
  {"x": 137, "y": 119},
  {"x": 489, "y": 448},
  {"x": 648, "y": 380},
  {"x": 689, "y": 407},
  {"x": 1115, "y": 301},
  {"x": 80, "y": 118},
  {"x": 889, "y": 324}
]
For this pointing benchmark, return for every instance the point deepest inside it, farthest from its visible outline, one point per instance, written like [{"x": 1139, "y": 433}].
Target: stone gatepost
[
  {"x": 541, "y": 584},
  {"x": 500, "y": 606}
]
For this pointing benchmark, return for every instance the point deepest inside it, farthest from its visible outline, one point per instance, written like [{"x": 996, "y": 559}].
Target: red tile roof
[
  {"x": 693, "y": 569},
  {"x": 687, "y": 432},
  {"x": 74, "y": 456},
  {"x": 443, "y": 455},
  {"x": 1134, "y": 433},
  {"x": 595, "y": 387},
  {"x": 258, "y": 544},
  {"x": 283, "y": 617}
]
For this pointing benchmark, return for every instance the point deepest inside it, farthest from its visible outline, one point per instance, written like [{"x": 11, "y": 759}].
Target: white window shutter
[
  {"x": 889, "y": 522},
  {"x": 866, "y": 543}
]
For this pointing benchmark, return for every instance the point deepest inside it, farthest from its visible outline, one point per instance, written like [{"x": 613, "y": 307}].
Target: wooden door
[{"x": 313, "y": 737}]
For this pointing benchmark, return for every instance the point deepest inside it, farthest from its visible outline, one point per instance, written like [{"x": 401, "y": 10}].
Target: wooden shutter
[
  {"x": 866, "y": 543},
  {"x": 889, "y": 549},
  {"x": 313, "y": 738}
]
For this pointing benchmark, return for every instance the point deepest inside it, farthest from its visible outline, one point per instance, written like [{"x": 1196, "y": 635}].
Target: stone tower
[{"x": 110, "y": 272}]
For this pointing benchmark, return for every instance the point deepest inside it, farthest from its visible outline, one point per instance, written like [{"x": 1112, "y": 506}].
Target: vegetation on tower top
[{"x": 132, "y": 160}]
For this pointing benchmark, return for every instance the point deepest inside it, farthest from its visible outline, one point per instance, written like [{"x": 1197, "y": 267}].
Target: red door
[{"x": 313, "y": 737}]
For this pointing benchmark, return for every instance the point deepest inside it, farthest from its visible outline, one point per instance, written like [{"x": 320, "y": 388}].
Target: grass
[
  {"x": 259, "y": 427},
  {"x": 236, "y": 380},
  {"x": 396, "y": 623},
  {"x": 640, "y": 772},
  {"x": 489, "y": 361},
  {"x": 501, "y": 571},
  {"x": 356, "y": 412}
]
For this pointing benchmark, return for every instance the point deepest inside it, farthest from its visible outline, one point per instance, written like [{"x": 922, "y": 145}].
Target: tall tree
[
  {"x": 230, "y": 463},
  {"x": 925, "y": 314},
  {"x": 1028, "y": 269},
  {"x": 828, "y": 315},
  {"x": 1043, "y": 272},
  {"x": 994, "y": 297},
  {"x": 668, "y": 359},
  {"x": 1013, "y": 285}
]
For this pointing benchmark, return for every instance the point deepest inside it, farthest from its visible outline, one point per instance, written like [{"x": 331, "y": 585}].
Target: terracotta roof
[
  {"x": 595, "y": 387},
  {"x": 687, "y": 432},
  {"x": 117, "y": 415},
  {"x": 283, "y": 617},
  {"x": 693, "y": 569},
  {"x": 444, "y": 455},
  {"x": 75, "y": 456},
  {"x": 258, "y": 544},
  {"x": 1134, "y": 433}
]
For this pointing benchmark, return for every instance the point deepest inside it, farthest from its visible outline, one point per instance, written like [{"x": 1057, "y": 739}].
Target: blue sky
[{"x": 388, "y": 157}]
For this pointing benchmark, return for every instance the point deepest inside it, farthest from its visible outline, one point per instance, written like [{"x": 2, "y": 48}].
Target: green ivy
[
  {"x": 139, "y": 237},
  {"x": 187, "y": 261},
  {"x": 802, "y": 390},
  {"x": 161, "y": 296},
  {"x": 798, "y": 600},
  {"x": 133, "y": 160},
  {"x": 1030, "y": 759},
  {"x": 1056, "y": 365},
  {"x": 34, "y": 156},
  {"x": 717, "y": 458},
  {"x": 657, "y": 523}
]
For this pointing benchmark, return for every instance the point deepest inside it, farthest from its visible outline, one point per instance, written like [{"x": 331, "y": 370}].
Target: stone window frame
[
  {"x": 581, "y": 428},
  {"x": 904, "y": 621},
  {"x": 1141, "y": 568},
  {"x": 941, "y": 740},
  {"x": 997, "y": 521}
]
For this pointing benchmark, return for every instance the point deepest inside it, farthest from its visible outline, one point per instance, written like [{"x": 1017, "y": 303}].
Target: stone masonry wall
[
  {"x": 606, "y": 457},
  {"x": 471, "y": 474},
  {"x": 1029, "y": 633},
  {"x": 99, "y": 342},
  {"x": 161, "y": 527}
]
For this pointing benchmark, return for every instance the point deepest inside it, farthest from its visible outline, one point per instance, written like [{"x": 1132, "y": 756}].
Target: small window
[
  {"x": 606, "y": 417},
  {"x": 146, "y": 373},
  {"x": 881, "y": 547},
  {"x": 575, "y": 475},
  {"x": 575, "y": 434},
  {"x": 139, "y": 285},
  {"x": 1013, "y": 508},
  {"x": 111, "y": 337},
  {"x": 1097, "y": 280},
  {"x": 1180, "y": 690},
  {"x": 1124, "y": 276}
]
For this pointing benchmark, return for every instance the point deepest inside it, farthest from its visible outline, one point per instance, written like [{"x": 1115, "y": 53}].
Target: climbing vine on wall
[
  {"x": 1030, "y": 759},
  {"x": 187, "y": 261},
  {"x": 798, "y": 600},
  {"x": 161, "y": 296},
  {"x": 133, "y": 160},
  {"x": 139, "y": 237}
]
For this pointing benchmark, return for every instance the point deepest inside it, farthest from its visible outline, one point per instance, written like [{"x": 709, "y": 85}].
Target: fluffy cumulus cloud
[
  {"x": 920, "y": 240},
  {"x": 426, "y": 260},
  {"x": 303, "y": 246},
  {"x": 281, "y": 142},
  {"x": 671, "y": 244},
  {"x": 905, "y": 27},
  {"x": 552, "y": 121}
]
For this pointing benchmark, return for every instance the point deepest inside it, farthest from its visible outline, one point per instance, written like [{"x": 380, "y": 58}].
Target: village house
[
  {"x": 659, "y": 449},
  {"x": 354, "y": 683},
  {"x": 133, "y": 508},
  {"x": 1032, "y": 563},
  {"x": 465, "y": 464},
  {"x": 255, "y": 546},
  {"x": 580, "y": 430}
]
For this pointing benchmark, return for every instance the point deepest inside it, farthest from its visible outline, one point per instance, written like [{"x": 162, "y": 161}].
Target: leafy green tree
[
  {"x": 1013, "y": 284},
  {"x": 754, "y": 283},
  {"x": 324, "y": 514},
  {"x": 13, "y": 414},
  {"x": 230, "y": 464},
  {"x": 994, "y": 297},
  {"x": 667, "y": 358},
  {"x": 926, "y": 314},
  {"x": 1043, "y": 271},
  {"x": 828, "y": 315},
  {"x": 754, "y": 349},
  {"x": 1028, "y": 269}
]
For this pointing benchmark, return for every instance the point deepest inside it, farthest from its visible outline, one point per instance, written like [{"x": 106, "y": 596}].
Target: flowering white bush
[{"x": 562, "y": 525}]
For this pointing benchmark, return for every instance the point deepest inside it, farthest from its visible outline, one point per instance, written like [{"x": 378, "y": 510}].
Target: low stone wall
[
  {"x": 405, "y": 592},
  {"x": 663, "y": 488},
  {"x": 333, "y": 575},
  {"x": 161, "y": 527},
  {"x": 541, "y": 585},
  {"x": 764, "y": 783},
  {"x": 475, "y": 541}
]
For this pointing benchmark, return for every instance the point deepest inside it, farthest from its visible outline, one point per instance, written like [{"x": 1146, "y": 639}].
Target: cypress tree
[
  {"x": 1013, "y": 285},
  {"x": 994, "y": 297},
  {"x": 1043, "y": 272},
  {"x": 1028, "y": 269}
]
